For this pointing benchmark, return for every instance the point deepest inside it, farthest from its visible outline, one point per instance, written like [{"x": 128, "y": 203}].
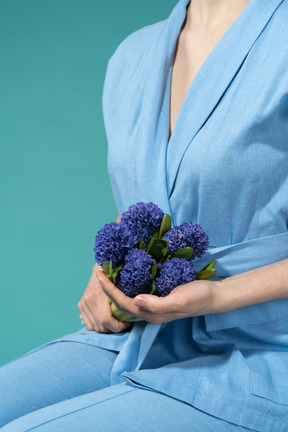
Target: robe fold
[{"x": 226, "y": 168}]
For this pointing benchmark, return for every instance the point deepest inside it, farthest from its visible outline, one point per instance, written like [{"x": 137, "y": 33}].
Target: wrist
[
  {"x": 234, "y": 292},
  {"x": 223, "y": 297}
]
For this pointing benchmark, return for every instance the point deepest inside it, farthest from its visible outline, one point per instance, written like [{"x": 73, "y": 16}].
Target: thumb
[{"x": 153, "y": 303}]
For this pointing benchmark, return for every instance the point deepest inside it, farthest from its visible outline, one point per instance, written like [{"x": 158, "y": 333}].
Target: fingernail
[{"x": 139, "y": 301}]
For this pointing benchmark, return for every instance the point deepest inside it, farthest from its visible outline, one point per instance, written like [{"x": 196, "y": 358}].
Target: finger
[
  {"x": 120, "y": 300},
  {"x": 105, "y": 322},
  {"x": 155, "y": 304},
  {"x": 93, "y": 324},
  {"x": 86, "y": 320},
  {"x": 111, "y": 322},
  {"x": 97, "y": 325},
  {"x": 117, "y": 326},
  {"x": 102, "y": 329}
]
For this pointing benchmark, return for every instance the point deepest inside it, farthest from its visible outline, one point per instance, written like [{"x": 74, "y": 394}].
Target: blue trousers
[{"x": 65, "y": 386}]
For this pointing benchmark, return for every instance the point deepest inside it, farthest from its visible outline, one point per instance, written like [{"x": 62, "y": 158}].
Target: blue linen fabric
[
  {"x": 64, "y": 386},
  {"x": 49, "y": 375},
  {"x": 226, "y": 168}
]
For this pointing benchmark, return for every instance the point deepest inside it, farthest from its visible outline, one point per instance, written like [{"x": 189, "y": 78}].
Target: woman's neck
[{"x": 208, "y": 14}]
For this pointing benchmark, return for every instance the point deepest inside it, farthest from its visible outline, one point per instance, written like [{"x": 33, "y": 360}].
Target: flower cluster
[
  {"x": 143, "y": 254},
  {"x": 188, "y": 235},
  {"x": 142, "y": 220},
  {"x": 108, "y": 244},
  {"x": 173, "y": 272},
  {"x": 135, "y": 276}
]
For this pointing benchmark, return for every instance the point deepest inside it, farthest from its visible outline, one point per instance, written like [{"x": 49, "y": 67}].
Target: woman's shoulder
[
  {"x": 135, "y": 44},
  {"x": 130, "y": 61}
]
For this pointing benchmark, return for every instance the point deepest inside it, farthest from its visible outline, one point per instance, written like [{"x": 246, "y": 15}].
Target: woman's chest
[
  {"x": 230, "y": 130},
  {"x": 192, "y": 49}
]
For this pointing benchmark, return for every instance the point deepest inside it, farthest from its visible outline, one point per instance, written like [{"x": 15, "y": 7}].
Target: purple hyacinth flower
[
  {"x": 172, "y": 273},
  {"x": 109, "y": 244},
  {"x": 142, "y": 220},
  {"x": 187, "y": 235},
  {"x": 135, "y": 277}
]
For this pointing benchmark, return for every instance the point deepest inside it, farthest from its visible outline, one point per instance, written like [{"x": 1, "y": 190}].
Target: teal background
[{"x": 55, "y": 191}]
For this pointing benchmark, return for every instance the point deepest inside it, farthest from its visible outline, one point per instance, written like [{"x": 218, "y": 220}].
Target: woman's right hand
[{"x": 95, "y": 308}]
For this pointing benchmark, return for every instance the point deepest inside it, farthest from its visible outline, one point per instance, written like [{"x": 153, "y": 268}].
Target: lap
[
  {"x": 50, "y": 374},
  {"x": 121, "y": 407},
  {"x": 65, "y": 386}
]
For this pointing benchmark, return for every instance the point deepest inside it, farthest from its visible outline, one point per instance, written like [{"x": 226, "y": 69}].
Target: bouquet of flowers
[{"x": 142, "y": 254}]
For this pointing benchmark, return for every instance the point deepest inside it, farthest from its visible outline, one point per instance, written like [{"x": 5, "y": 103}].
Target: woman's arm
[
  {"x": 255, "y": 286},
  {"x": 95, "y": 308},
  {"x": 203, "y": 297}
]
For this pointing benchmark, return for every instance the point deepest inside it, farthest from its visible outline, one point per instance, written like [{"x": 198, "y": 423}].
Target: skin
[
  {"x": 95, "y": 308},
  {"x": 206, "y": 22},
  {"x": 204, "y": 297}
]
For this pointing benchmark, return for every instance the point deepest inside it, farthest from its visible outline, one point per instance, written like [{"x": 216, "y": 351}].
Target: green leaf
[
  {"x": 122, "y": 316},
  {"x": 157, "y": 248},
  {"x": 141, "y": 244},
  {"x": 156, "y": 252},
  {"x": 169, "y": 256},
  {"x": 156, "y": 234},
  {"x": 153, "y": 287},
  {"x": 165, "y": 225},
  {"x": 115, "y": 272},
  {"x": 185, "y": 252},
  {"x": 205, "y": 274},
  {"x": 212, "y": 246},
  {"x": 209, "y": 266},
  {"x": 150, "y": 244},
  {"x": 107, "y": 268},
  {"x": 154, "y": 269}
]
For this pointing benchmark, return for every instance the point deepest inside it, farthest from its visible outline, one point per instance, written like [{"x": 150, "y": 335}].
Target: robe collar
[{"x": 205, "y": 93}]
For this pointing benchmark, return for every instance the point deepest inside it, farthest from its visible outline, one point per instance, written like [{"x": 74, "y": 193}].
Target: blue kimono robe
[{"x": 226, "y": 168}]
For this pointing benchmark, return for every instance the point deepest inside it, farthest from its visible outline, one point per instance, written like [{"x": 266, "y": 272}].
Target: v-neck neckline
[
  {"x": 156, "y": 164},
  {"x": 172, "y": 59}
]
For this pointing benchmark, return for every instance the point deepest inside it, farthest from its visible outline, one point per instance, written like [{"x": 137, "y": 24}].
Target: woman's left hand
[{"x": 192, "y": 299}]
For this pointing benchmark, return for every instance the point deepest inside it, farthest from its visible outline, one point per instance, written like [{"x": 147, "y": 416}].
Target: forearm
[{"x": 255, "y": 286}]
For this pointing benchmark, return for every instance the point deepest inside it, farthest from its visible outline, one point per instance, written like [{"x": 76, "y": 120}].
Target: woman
[{"x": 213, "y": 354}]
